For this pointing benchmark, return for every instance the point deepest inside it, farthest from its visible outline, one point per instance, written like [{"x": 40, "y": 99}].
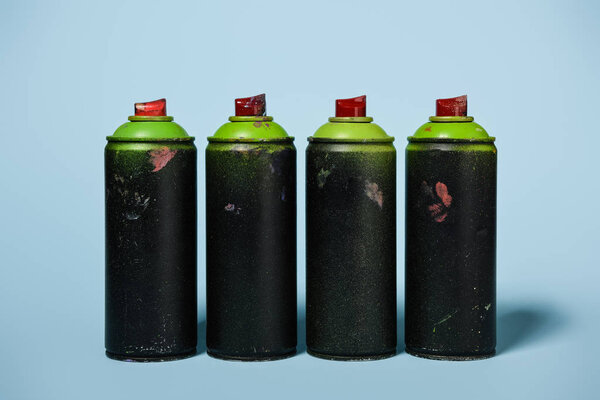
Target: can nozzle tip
[
  {"x": 453, "y": 107},
  {"x": 156, "y": 108},
  {"x": 354, "y": 107},
  {"x": 254, "y": 106}
]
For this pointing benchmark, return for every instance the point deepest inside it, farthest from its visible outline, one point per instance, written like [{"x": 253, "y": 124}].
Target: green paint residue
[
  {"x": 322, "y": 177},
  {"x": 446, "y": 318},
  {"x": 250, "y": 129}
]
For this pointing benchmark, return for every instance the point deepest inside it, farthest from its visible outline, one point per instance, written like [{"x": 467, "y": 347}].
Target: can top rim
[
  {"x": 250, "y": 118},
  {"x": 351, "y": 119},
  {"x": 150, "y": 118},
  {"x": 413, "y": 139},
  {"x": 350, "y": 140},
  {"x": 213, "y": 139},
  {"x": 149, "y": 139},
  {"x": 451, "y": 118}
]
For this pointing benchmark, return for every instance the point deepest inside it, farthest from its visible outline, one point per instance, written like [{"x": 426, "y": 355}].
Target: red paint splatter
[
  {"x": 442, "y": 192},
  {"x": 439, "y": 210},
  {"x": 258, "y": 124},
  {"x": 232, "y": 208},
  {"x": 436, "y": 212},
  {"x": 435, "y": 208},
  {"x": 161, "y": 157}
]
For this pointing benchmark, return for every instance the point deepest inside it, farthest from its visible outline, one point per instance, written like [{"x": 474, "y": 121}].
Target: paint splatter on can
[
  {"x": 451, "y": 237},
  {"x": 150, "y": 181},
  {"x": 351, "y": 237},
  {"x": 251, "y": 237}
]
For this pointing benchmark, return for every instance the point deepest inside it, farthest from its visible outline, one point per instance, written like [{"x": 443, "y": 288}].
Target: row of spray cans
[{"x": 151, "y": 237}]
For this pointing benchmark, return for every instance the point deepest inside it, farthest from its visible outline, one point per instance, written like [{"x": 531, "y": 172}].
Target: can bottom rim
[
  {"x": 158, "y": 358},
  {"x": 253, "y": 357},
  {"x": 362, "y": 357},
  {"x": 449, "y": 357}
]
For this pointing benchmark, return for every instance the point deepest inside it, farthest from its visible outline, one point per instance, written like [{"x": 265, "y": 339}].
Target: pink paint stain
[
  {"x": 442, "y": 192},
  {"x": 439, "y": 211},
  {"x": 161, "y": 157},
  {"x": 372, "y": 191},
  {"x": 233, "y": 209},
  {"x": 258, "y": 124}
]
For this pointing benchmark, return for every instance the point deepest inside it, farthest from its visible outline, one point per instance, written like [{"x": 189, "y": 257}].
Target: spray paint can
[
  {"x": 451, "y": 237},
  {"x": 251, "y": 237},
  {"x": 351, "y": 237},
  {"x": 150, "y": 178}
]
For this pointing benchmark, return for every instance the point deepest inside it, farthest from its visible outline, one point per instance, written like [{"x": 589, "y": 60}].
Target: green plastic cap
[
  {"x": 150, "y": 123},
  {"x": 451, "y": 128},
  {"x": 351, "y": 124},
  {"x": 351, "y": 129},
  {"x": 149, "y": 129},
  {"x": 250, "y": 128}
]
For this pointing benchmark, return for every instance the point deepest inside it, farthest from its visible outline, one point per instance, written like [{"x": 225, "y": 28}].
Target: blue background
[{"x": 71, "y": 71}]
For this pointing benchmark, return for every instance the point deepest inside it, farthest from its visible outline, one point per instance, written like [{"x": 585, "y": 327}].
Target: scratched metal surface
[{"x": 70, "y": 71}]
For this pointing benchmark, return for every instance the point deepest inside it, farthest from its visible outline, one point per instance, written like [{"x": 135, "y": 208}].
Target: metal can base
[
  {"x": 253, "y": 357},
  {"x": 443, "y": 357},
  {"x": 366, "y": 357},
  {"x": 159, "y": 358}
]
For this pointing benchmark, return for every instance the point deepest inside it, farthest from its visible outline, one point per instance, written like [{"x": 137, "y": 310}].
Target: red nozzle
[
  {"x": 255, "y": 106},
  {"x": 156, "y": 108},
  {"x": 454, "y": 107},
  {"x": 354, "y": 107}
]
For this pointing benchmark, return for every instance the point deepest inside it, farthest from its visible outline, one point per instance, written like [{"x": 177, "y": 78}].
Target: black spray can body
[
  {"x": 251, "y": 241},
  {"x": 150, "y": 177},
  {"x": 351, "y": 241},
  {"x": 451, "y": 241}
]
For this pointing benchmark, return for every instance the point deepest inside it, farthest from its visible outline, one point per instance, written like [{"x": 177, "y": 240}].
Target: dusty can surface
[
  {"x": 251, "y": 237},
  {"x": 351, "y": 238},
  {"x": 451, "y": 237},
  {"x": 150, "y": 178}
]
